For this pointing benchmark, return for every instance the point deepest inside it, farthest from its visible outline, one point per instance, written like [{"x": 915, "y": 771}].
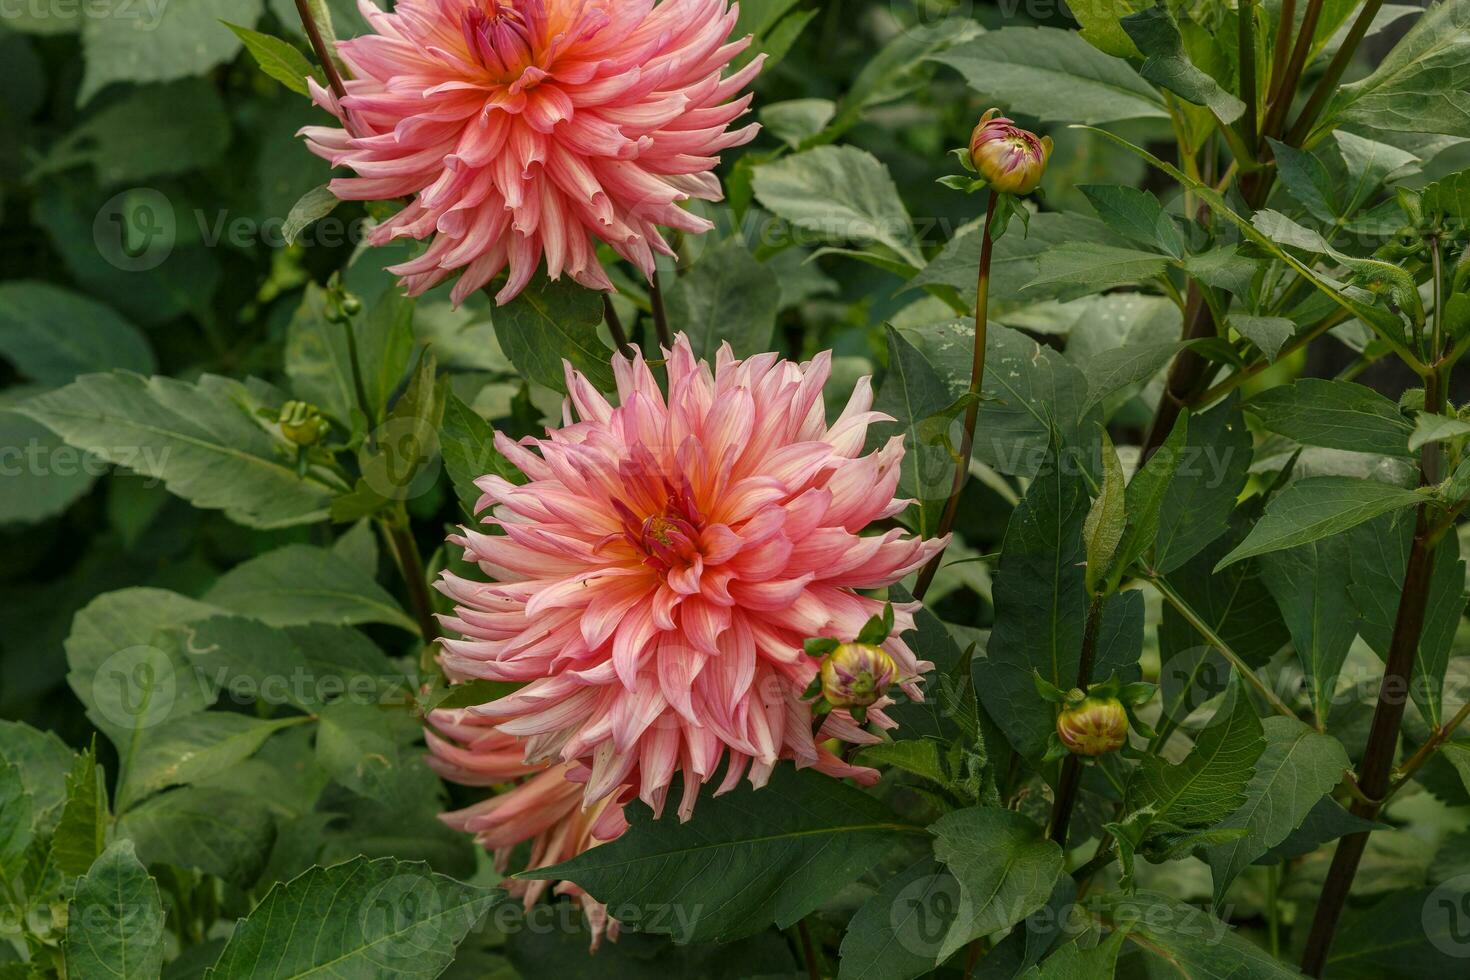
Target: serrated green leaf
[
  {"x": 301, "y": 584},
  {"x": 1334, "y": 414},
  {"x": 280, "y": 60},
  {"x": 115, "y": 920},
  {"x": 1137, "y": 215},
  {"x": 551, "y": 322},
  {"x": 727, "y": 297},
  {"x": 913, "y": 394},
  {"x": 1212, "y": 471},
  {"x": 217, "y": 831},
  {"x": 193, "y": 747},
  {"x": 1310, "y": 585},
  {"x": 52, "y": 335},
  {"x": 82, "y": 830},
  {"x": 1317, "y": 507},
  {"x": 1268, "y": 333},
  {"x": 1054, "y": 75},
  {"x": 898, "y": 933},
  {"x": 1166, "y": 63},
  {"x": 372, "y": 920},
  {"x": 1102, "y": 529}
]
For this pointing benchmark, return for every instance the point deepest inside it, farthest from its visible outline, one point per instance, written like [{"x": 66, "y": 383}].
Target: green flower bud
[
  {"x": 1092, "y": 726},
  {"x": 856, "y": 674},
  {"x": 302, "y": 423}
]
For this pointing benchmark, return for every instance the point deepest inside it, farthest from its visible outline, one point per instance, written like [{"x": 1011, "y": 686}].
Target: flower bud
[
  {"x": 1010, "y": 158},
  {"x": 1092, "y": 726},
  {"x": 302, "y": 424},
  {"x": 856, "y": 674}
]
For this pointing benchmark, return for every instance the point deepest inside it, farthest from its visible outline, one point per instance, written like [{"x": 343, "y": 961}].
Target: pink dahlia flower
[
  {"x": 544, "y": 808},
  {"x": 530, "y": 129},
  {"x": 655, "y": 579}
]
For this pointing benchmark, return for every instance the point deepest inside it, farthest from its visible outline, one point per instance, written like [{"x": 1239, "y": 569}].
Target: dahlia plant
[{"x": 592, "y": 487}]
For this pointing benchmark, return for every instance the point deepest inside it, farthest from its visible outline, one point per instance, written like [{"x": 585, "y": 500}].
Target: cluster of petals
[
  {"x": 653, "y": 582},
  {"x": 524, "y": 130},
  {"x": 544, "y": 807}
]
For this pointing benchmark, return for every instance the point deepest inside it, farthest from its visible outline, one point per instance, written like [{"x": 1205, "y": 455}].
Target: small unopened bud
[
  {"x": 1010, "y": 158},
  {"x": 856, "y": 674},
  {"x": 1092, "y": 726},
  {"x": 302, "y": 424}
]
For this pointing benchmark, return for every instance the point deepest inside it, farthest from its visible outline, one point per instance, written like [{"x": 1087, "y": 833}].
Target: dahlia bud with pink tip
[
  {"x": 857, "y": 674},
  {"x": 1010, "y": 158},
  {"x": 1092, "y": 725}
]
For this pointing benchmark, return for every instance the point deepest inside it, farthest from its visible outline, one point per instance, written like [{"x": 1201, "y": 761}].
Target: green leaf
[
  {"x": 1013, "y": 264},
  {"x": 1334, "y": 414},
  {"x": 153, "y": 131},
  {"x": 188, "y": 749},
  {"x": 1166, "y": 63},
  {"x": 319, "y": 361},
  {"x": 371, "y": 920},
  {"x": 129, "y": 677},
  {"x": 370, "y": 750},
  {"x": 1412, "y": 87},
  {"x": 746, "y": 859},
  {"x": 1028, "y": 391},
  {"x": 1102, "y": 25},
  {"x": 1379, "y": 552},
  {"x": 1072, "y": 962},
  {"x": 17, "y": 816},
  {"x": 1307, "y": 179},
  {"x": 1147, "y": 492},
  {"x": 1268, "y": 333},
  {"x": 551, "y": 322},
  {"x": 1407, "y": 934},
  {"x": 1040, "y": 599},
  {"x": 1004, "y": 864},
  {"x": 43, "y": 760},
  {"x": 127, "y": 43},
  {"x": 1137, "y": 215},
  {"x": 468, "y": 444},
  {"x": 203, "y": 440},
  {"x": 52, "y": 335},
  {"x": 1090, "y": 268},
  {"x": 1435, "y": 428},
  {"x": 280, "y": 60},
  {"x": 1102, "y": 529},
  {"x": 1318, "y": 507},
  {"x": 1054, "y": 75},
  {"x": 726, "y": 297},
  {"x": 913, "y": 394},
  {"x": 301, "y": 584},
  {"x": 217, "y": 831},
  {"x": 1183, "y": 940},
  {"x": 1295, "y": 771},
  {"x": 1208, "y": 786},
  {"x": 797, "y": 120},
  {"x": 43, "y": 475},
  {"x": 897, "y": 934},
  {"x": 920, "y": 756},
  {"x": 1119, "y": 369},
  {"x": 82, "y": 830},
  {"x": 1201, "y": 495},
  {"x": 115, "y": 920},
  {"x": 401, "y": 461},
  {"x": 1323, "y": 824},
  {"x": 1310, "y": 585},
  {"x": 841, "y": 193},
  {"x": 315, "y": 203}
]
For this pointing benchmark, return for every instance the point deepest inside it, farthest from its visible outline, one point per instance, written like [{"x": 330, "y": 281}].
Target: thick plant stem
[
  {"x": 1376, "y": 768},
  {"x": 1375, "y": 771},
  {"x": 1281, "y": 104},
  {"x": 660, "y": 317},
  {"x": 411, "y": 566},
  {"x": 1187, "y": 374},
  {"x": 972, "y": 410},
  {"x": 1327, "y": 85},
  {"x": 319, "y": 46},
  {"x": 1071, "y": 777},
  {"x": 615, "y": 327},
  {"x": 808, "y": 953}
]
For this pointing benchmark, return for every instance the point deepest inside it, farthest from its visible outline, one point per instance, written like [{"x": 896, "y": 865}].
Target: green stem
[
  {"x": 1327, "y": 84},
  {"x": 972, "y": 410},
  {"x": 1071, "y": 775},
  {"x": 808, "y": 953},
  {"x": 1281, "y": 104},
  {"x": 1208, "y": 632},
  {"x": 1247, "y": 44},
  {"x": 411, "y": 566},
  {"x": 615, "y": 327},
  {"x": 660, "y": 317},
  {"x": 324, "y": 56}
]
